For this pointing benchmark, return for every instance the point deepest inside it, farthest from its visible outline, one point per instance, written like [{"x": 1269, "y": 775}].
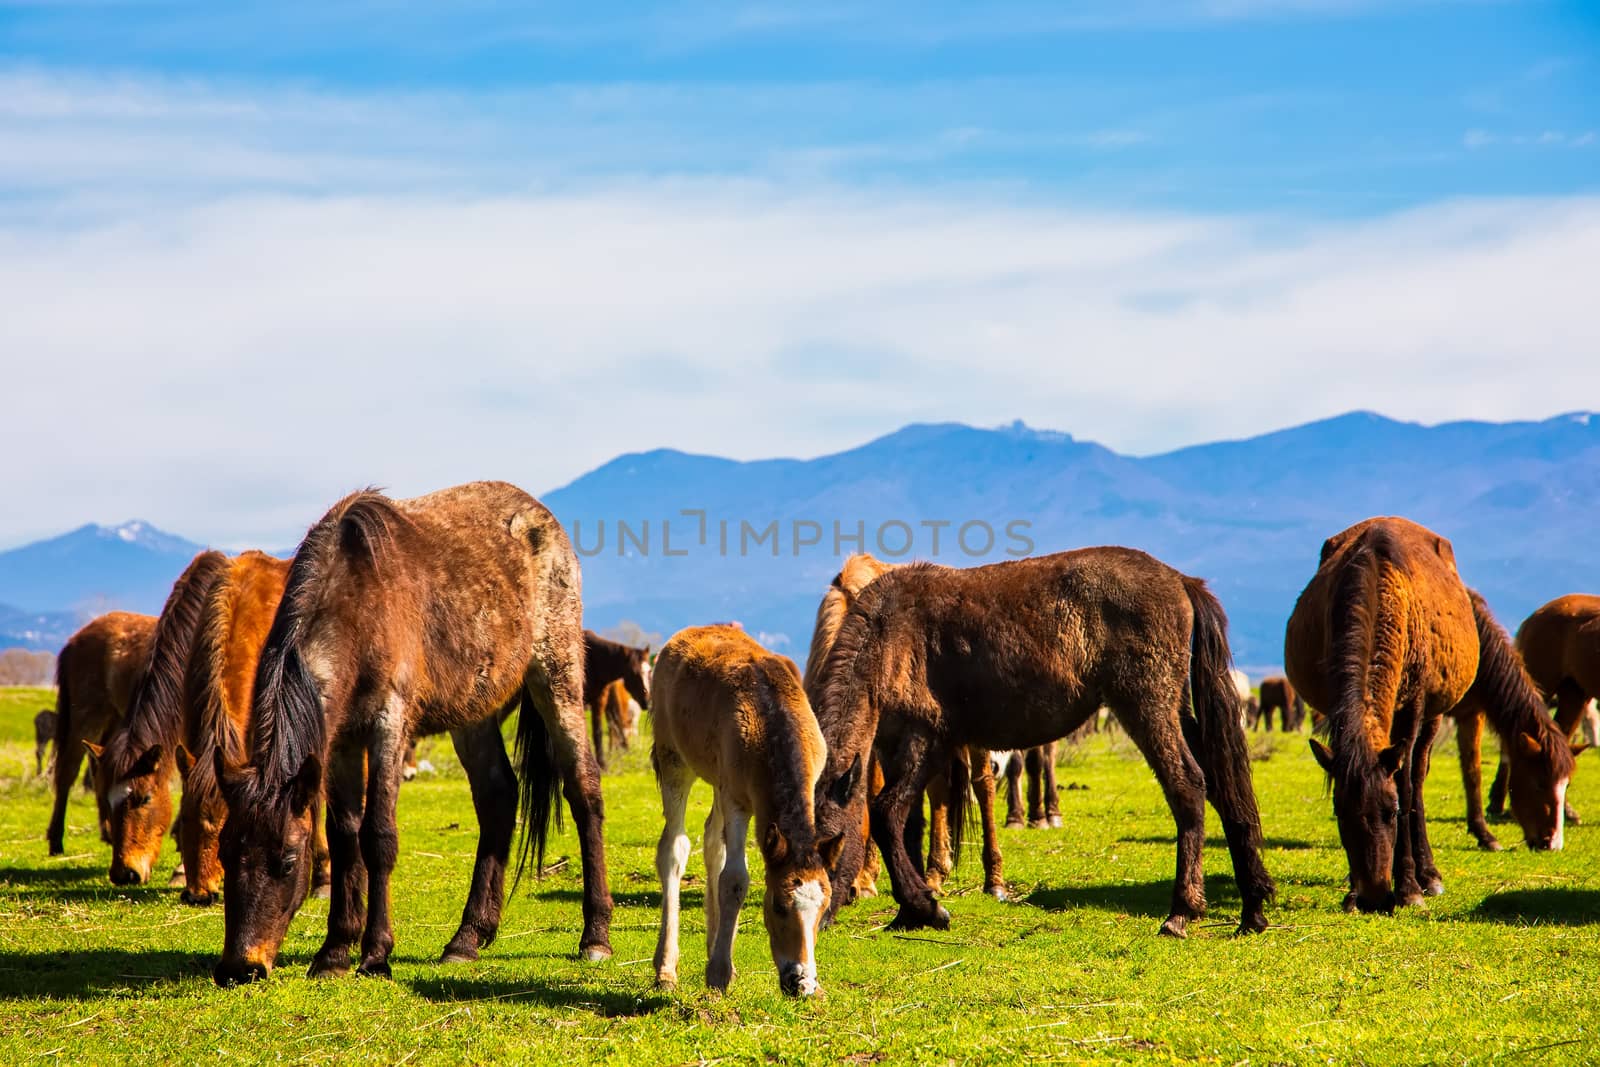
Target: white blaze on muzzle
[{"x": 808, "y": 901}]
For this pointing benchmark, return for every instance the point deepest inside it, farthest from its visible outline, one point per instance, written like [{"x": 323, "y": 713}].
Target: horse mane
[
  {"x": 857, "y": 635},
  {"x": 830, "y": 617},
  {"x": 1507, "y": 693},
  {"x": 781, "y": 700},
  {"x": 1354, "y": 616},
  {"x": 155, "y": 707},
  {"x": 203, "y": 689},
  {"x": 287, "y": 723}
]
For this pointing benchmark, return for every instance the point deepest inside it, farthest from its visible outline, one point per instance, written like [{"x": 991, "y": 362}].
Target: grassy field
[{"x": 1504, "y": 966}]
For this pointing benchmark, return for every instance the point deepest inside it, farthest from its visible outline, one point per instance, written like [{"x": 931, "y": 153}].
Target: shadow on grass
[
  {"x": 621, "y": 900},
  {"x": 58, "y": 875},
  {"x": 1540, "y": 907},
  {"x": 1153, "y": 898},
  {"x": 1288, "y": 844},
  {"x": 95, "y": 972},
  {"x": 606, "y": 1003}
]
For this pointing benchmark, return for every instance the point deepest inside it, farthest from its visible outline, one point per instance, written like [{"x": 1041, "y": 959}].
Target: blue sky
[{"x": 372, "y": 242}]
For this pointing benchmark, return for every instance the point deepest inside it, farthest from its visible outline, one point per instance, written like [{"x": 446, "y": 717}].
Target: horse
[
  {"x": 604, "y": 662},
  {"x": 1044, "y": 804},
  {"x": 234, "y": 621},
  {"x": 928, "y": 656},
  {"x": 616, "y": 710},
  {"x": 96, "y": 671},
  {"x": 136, "y": 767},
  {"x": 1387, "y": 639},
  {"x": 44, "y": 732},
  {"x": 944, "y": 791},
  {"x": 403, "y": 617},
  {"x": 1277, "y": 694},
  {"x": 733, "y": 714}
]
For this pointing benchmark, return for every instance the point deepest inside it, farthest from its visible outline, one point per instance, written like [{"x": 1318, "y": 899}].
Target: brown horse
[
  {"x": 44, "y": 732},
  {"x": 136, "y": 768},
  {"x": 217, "y": 682},
  {"x": 1044, "y": 804},
  {"x": 96, "y": 671},
  {"x": 733, "y": 714},
  {"x": 1277, "y": 694},
  {"x": 1013, "y": 655},
  {"x": 946, "y": 790},
  {"x": 1387, "y": 640},
  {"x": 617, "y": 712},
  {"x": 604, "y": 662},
  {"x": 404, "y": 617}
]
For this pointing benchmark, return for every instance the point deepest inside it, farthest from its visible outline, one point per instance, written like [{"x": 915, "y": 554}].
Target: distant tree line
[{"x": 18, "y": 666}]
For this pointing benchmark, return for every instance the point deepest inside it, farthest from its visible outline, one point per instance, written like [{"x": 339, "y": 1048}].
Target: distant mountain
[
  {"x": 94, "y": 569},
  {"x": 1521, "y": 502},
  {"x": 40, "y": 631}
]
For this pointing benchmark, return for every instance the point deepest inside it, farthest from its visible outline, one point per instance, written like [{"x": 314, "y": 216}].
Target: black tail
[
  {"x": 959, "y": 811},
  {"x": 539, "y": 779},
  {"x": 1224, "y": 751}
]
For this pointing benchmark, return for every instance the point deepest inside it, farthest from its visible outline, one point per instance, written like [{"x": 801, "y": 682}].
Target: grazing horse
[
  {"x": 605, "y": 662},
  {"x": 616, "y": 709},
  {"x": 947, "y": 791},
  {"x": 96, "y": 671},
  {"x": 1015, "y": 654},
  {"x": 1044, "y": 804},
  {"x": 221, "y": 671},
  {"x": 44, "y": 732},
  {"x": 1277, "y": 694},
  {"x": 136, "y": 768},
  {"x": 1386, "y": 640},
  {"x": 732, "y": 713},
  {"x": 404, "y": 617}
]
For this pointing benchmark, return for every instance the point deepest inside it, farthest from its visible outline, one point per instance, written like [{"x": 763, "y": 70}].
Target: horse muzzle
[
  {"x": 794, "y": 981},
  {"x": 230, "y": 972},
  {"x": 122, "y": 874}
]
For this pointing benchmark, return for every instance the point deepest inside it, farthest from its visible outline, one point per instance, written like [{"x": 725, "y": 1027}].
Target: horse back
[{"x": 1561, "y": 640}]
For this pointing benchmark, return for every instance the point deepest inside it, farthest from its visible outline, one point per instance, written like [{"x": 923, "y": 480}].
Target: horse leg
[
  {"x": 940, "y": 787},
  {"x": 732, "y": 885},
  {"x": 559, "y": 701},
  {"x": 716, "y": 858},
  {"x": 905, "y": 778},
  {"x": 344, "y": 793},
  {"x": 1497, "y": 789},
  {"x": 1034, "y": 761},
  {"x": 866, "y": 883},
  {"x": 596, "y": 736},
  {"x": 1422, "y": 760},
  {"x": 1161, "y": 742},
  {"x": 1469, "y": 746},
  {"x": 67, "y": 764},
  {"x": 380, "y": 835},
  {"x": 1014, "y": 816},
  {"x": 321, "y": 865},
  {"x": 1052, "y": 798},
  {"x": 1571, "y": 705},
  {"x": 494, "y": 798},
  {"x": 983, "y": 787},
  {"x": 672, "y": 856}
]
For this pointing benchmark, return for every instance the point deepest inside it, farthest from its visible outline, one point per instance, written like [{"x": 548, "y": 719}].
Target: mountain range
[{"x": 668, "y": 538}]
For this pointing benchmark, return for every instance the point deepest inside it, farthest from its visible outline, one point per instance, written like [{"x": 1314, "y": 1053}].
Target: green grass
[{"x": 1503, "y": 966}]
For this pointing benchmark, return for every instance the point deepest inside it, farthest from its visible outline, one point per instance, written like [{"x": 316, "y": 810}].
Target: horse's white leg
[
  {"x": 732, "y": 885},
  {"x": 672, "y": 856},
  {"x": 716, "y": 856}
]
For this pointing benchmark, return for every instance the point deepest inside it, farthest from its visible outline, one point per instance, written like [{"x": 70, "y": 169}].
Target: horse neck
[{"x": 790, "y": 777}]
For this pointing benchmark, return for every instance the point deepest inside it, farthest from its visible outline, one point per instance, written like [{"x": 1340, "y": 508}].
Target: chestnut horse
[
  {"x": 604, "y": 662},
  {"x": 946, "y": 791},
  {"x": 1015, "y": 654},
  {"x": 733, "y": 714},
  {"x": 136, "y": 768},
  {"x": 1387, "y": 640},
  {"x": 96, "y": 671},
  {"x": 616, "y": 710},
  {"x": 404, "y": 617},
  {"x": 221, "y": 671}
]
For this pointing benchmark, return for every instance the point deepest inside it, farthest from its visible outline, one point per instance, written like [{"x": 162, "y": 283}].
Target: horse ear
[
  {"x": 829, "y": 850},
  {"x": 839, "y": 792},
  {"x": 1323, "y": 753},
  {"x": 1580, "y": 747},
  {"x": 229, "y": 779},
  {"x": 95, "y": 751},
  {"x": 185, "y": 759},
  {"x": 306, "y": 785},
  {"x": 774, "y": 846},
  {"x": 1528, "y": 745},
  {"x": 147, "y": 762},
  {"x": 1392, "y": 759}
]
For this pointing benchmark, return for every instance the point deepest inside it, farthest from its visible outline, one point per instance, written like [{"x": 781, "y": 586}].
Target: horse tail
[
  {"x": 1224, "y": 753},
  {"x": 959, "y": 811},
  {"x": 539, "y": 781},
  {"x": 63, "y": 720}
]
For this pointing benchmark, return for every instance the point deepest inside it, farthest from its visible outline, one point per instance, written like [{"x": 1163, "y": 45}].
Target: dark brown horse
[
  {"x": 1386, "y": 640},
  {"x": 136, "y": 769},
  {"x": 217, "y": 683},
  {"x": 404, "y": 617},
  {"x": 1016, "y": 654},
  {"x": 44, "y": 732},
  {"x": 1044, "y": 804},
  {"x": 1277, "y": 694},
  {"x": 604, "y": 662},
  {"x": 96, "y": 671}
]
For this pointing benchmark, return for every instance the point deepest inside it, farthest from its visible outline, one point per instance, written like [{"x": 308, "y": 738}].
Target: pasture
[{"x": 1505, "y": 966}]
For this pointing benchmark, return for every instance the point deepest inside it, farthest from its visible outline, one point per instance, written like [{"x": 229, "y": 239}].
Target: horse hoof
[
  {"x": 906, "y": 919},
  {"x": 1409, "y": 899},
  {"x": 322, "y": 892},
  {"x": 595, "y": 953},
  {"x": 998, "y": 892},
  {"x": 1175, "y": 926},
  {"x": 1434, "y": 888},
  {"x": 866, "y": 892},
  {"x": 1055, "y": 822},
  {"x": 1038, "y": 824},
  {"x": 328, "y": 968},
  {"x": 1011, "y": 824},
  {"x": 667, "y": 983},
  {"x": 374, "y": 969},
  {"x": 459, "y": 954},
  {"x": 1252, "y": 924},
  {"x": 1489, "y": 844},
  {"x": 1571, "y": 815}
]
